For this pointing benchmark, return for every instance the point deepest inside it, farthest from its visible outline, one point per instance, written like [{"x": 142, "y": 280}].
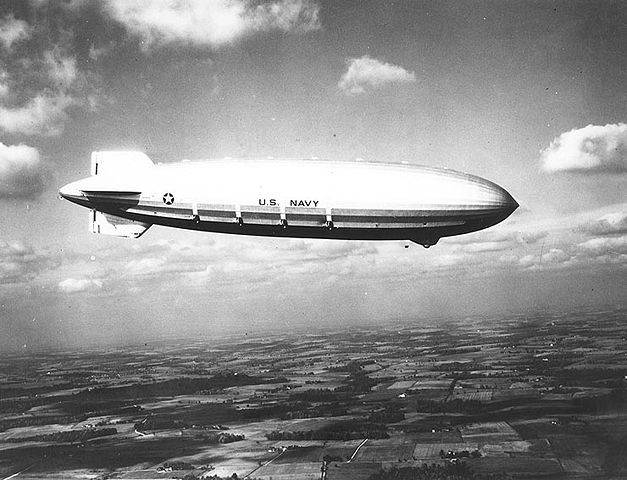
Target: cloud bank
[
  {"x": 20, "y": 171},
  {"x": 367, "y": 72},
  {"x": 210, "y": 23},
  {"x": 594, "y": 148}
]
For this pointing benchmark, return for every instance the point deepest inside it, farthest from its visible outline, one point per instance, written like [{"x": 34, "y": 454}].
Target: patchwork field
[{"x": 380, "y": 403}]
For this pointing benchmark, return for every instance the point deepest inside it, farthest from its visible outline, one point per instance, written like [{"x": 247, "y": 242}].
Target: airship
[{"x": 127, "y": 193}]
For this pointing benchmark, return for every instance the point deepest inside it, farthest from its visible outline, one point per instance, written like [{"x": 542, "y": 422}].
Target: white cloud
[
  {"x": 42, "y": 115},
  {"x": 529, "y": 237},
  {"x": 550, "y": 259},
  {"x": 38, "y": 86},
  {"x": 210, "y": 22},
  {"x": 614, "y": 223},
  {"x": 75, "y": 285},
  {"x": 594, "y": 148},
  {"x": 20, "y": 171},
  {"x": 12, "y": 30},
  {"x": 144, "y": 266},
  {"x": 555, "y": 255},
  {"x": 369, "y": 72},
  {"x": 605, "y": 246},
  {"x": 60, "y": 86}
]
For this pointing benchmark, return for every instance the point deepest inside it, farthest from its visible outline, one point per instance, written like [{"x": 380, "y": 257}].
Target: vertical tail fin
[{"x": 118, "y": 162}]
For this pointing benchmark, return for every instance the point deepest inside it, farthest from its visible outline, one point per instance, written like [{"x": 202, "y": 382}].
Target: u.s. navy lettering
[
  {"x": 273, "y": 202},
  {"x": 303, "y": 203}
]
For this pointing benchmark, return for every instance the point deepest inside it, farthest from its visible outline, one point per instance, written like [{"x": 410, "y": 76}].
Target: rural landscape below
[{"x": 519, "y": 396}]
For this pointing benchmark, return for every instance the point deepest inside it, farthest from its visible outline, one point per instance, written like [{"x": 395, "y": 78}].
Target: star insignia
[{"x": 168, "y": 199}]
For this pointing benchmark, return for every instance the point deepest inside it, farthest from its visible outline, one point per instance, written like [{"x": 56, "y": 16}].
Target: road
[
  {"x": 21, "y": 471},
  {"x": 356, "y": 450},
  {"x": 267, "y": 463}
]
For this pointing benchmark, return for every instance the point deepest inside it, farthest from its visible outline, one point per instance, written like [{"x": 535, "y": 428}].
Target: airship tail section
[
  {"x": 107, "y": 224},
  {"x": 119, "y": 162}
]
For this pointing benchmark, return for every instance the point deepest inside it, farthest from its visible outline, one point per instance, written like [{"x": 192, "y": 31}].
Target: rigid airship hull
[{"x": 288, "y": 198}]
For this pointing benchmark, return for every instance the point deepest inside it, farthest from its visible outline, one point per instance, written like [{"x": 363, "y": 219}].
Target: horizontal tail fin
[{"x": 106, "y": 224}]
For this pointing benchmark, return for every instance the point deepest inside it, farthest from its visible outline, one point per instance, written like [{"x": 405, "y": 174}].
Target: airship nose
[
  {"x": 507, "y": 201},
  {"x": 492, "y": 199},
  {"x": 501, "y": 203}
]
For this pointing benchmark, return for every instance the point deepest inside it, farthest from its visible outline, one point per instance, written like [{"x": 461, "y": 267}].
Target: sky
[{"x": 531, "y": 95}]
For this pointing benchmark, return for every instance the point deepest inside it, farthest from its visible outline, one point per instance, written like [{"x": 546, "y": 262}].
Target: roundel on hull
[{"x": 168, "y": 199}]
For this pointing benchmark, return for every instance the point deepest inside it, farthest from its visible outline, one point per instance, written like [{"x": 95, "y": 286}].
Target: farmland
[{"x": 535, "y": 396}]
